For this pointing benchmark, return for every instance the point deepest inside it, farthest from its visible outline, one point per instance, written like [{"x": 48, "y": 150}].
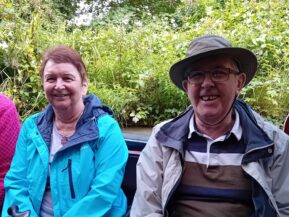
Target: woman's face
[{"x": 63, "y": 86}]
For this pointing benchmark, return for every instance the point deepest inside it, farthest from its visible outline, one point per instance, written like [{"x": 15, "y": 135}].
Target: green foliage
[
  {"x": 67, "y": 8},
  {"x": 23, "y": 34},
  {"x": 134, "y": 66},
  {"x": 130, "y": 51},
  {"x": 155, "y": 7},
  {"x": 139, "y": 7}
]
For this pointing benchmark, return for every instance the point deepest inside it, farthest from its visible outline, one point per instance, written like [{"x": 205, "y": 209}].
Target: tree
[{"x": 66, "y": 8}]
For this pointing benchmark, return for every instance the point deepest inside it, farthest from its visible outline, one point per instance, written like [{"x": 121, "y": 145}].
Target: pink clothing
[{"x": 9, "y": 130}]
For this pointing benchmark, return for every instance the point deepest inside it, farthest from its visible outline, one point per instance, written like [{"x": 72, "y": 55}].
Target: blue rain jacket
[{"x": 85, "y": 174}]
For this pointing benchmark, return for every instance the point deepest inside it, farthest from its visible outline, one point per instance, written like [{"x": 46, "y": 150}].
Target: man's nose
[{"x": 208, "y": 79}]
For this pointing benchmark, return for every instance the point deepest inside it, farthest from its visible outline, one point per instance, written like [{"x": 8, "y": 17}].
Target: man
[{"x": 219, "y": 157}]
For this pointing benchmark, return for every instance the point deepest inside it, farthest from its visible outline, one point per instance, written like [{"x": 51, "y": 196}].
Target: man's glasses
[{"x": 216, "y": 75}]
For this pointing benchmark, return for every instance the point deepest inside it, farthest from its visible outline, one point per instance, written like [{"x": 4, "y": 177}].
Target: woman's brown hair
[{"x": 64, "y": 54}]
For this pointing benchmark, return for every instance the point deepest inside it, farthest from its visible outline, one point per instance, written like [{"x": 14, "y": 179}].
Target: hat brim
[{"x": 247, "y": 63}]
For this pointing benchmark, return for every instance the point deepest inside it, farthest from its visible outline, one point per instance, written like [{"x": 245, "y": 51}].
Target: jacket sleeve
[
  {"x": 9, "y": 130},
  {"x": 105, "y": 197},
  {"x": 148, "y": 197},
  {"x": 280, "y": 174},
  {"x": 16, "y": 184},
  {"x": 278, "y": 169}
]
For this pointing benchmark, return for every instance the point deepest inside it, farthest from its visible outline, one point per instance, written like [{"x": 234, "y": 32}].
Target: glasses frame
[{"x": 211, "y": 71}]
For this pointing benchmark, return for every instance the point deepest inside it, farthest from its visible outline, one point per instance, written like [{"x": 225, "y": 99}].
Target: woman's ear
[{"x": 84, "y": 88}]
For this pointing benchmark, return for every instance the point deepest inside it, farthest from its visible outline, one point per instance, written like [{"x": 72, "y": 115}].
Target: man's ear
[
  {"x": 240, "y": 83},
  {"x": 185, "y": 85}
]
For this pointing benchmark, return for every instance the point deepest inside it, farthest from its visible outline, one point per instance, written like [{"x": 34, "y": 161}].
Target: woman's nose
[{"x": 59, "y": 84}]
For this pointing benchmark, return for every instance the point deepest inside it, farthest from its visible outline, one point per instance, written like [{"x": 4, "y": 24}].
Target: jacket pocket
[{"x": 69, "y": 167}]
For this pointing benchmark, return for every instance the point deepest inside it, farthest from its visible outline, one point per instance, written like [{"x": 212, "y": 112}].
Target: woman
[
  {"x": 70, "y": 158},
  {"x": 9, "y": 130}
]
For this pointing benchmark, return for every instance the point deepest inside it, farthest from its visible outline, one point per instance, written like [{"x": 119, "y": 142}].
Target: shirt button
[{"x": 270, "y": 150}]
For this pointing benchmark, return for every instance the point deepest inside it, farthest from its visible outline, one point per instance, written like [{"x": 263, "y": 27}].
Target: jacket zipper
[
  {"x": 166, "y": 213},
  {"x": 254, "y": 149},
  {"x": 171, "y": 194},
  {"x": 72, "y": 192}
]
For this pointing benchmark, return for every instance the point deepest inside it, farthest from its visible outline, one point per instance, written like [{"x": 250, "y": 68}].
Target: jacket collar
[
  {"x": 87, "y": 130},
  {"x": 258, "y": 144}
]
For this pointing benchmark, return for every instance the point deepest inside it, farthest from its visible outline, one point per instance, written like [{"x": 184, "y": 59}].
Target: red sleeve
[{"x": 9, "y": 130}]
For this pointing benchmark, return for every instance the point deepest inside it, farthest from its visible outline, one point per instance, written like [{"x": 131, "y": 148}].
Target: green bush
[{"x": 128, "y": 55}]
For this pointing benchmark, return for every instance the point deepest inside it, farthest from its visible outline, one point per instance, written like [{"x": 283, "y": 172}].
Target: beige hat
[{"x": 211, "y": 45}]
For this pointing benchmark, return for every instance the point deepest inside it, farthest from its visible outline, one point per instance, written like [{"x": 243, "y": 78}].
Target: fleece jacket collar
[
  {"x": 86, "y": 128},
  {"x": 258, "y": 144}
]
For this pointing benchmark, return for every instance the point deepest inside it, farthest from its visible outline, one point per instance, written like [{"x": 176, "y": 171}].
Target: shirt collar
[{"x": 236, "y": 129}]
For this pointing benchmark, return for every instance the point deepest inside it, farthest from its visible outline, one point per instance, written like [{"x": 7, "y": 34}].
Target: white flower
[
  {"x": 4, "y": 45},
  {"x": 209, "y": 10},
  {"x": 138, "y": 23},
  {"x": 125, "y": 21},
  {"x": 135, "y": 119}
]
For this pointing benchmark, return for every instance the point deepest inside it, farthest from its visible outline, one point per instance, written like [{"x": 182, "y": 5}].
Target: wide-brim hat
[{"x": 212, "y": 45}]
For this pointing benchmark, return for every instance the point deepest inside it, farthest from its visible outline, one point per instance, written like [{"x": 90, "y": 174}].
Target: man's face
[{"x": 211, "y": 100}]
